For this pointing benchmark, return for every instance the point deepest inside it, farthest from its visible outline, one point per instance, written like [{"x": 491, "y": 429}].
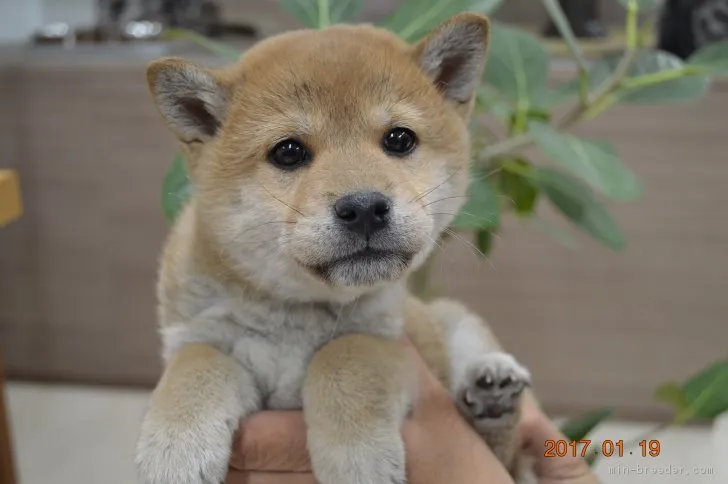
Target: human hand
[
  {"x": 271, "y": 449},
  {"x": 440, "y": 445},
  {"x": 536, "y": 428}
]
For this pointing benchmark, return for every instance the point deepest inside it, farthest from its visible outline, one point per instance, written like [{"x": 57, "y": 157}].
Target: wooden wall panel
[{"x": 77, "y": 272}]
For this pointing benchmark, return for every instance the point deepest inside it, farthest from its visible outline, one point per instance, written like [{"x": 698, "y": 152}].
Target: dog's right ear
[{"x": 193, "y": 100}]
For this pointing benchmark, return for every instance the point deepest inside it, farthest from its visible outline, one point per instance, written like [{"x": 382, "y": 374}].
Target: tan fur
[{"x": 238, "y": 280}]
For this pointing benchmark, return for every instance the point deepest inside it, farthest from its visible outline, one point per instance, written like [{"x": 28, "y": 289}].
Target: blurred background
[{"x": 77, "y": 269}]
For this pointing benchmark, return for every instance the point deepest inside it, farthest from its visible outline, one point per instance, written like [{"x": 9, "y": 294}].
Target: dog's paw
[
  {"x": 492, "y": 388},
  {"x": 376, "y": 460},
  {"x": 184, "y": 452}
]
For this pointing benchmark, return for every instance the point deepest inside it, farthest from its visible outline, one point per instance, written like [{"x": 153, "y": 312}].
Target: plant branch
[
  {"x": 603, "y": 95},
  {"x": 655, "y": 78},
  {"x": 602, "y": 92},
  {"x": 583, "y": 86},
  {"x": 562, "y": 24},
  {"x": 627, "y": 59}
]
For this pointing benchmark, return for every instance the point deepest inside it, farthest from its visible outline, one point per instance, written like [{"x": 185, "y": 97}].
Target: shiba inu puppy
[{"x": 326, "y": 164}]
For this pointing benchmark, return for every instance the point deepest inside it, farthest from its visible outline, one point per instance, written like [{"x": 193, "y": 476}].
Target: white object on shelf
[
  {"x": 19, "y": 19},
  {"x": 720, "y": 447}
]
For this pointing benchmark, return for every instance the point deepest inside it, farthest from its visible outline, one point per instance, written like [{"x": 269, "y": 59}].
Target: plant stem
[
  {"x": 506, "y": 146},
  {"x": 520, "y": 122},
  {"x": 627, "y": 59},
  {"x": 632, "y": 38},
  {"x": 583, "y": 86},
  {"x": 599, "y": 107},
  {"x": 654, "y": 78},
  {"x": 646, "y": 435},
  {"x": 324, "y": 19},
  {"x": 605, "y": 88},
  {"x": 648, "y": 26},
  {"x": 562, "y": 24},
  {"x": 516, "y": 168}
]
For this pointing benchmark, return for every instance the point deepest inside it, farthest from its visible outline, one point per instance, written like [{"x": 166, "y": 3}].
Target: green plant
[
  {"x": 580, "y": 174},
  {"x": 703, "y": 396}
]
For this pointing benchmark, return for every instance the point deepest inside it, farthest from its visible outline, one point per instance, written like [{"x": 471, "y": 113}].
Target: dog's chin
[{"x": 367, "y": 267}]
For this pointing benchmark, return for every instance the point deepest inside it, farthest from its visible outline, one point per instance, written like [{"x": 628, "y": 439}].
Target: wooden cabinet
[{"x": 10, "y": 209}]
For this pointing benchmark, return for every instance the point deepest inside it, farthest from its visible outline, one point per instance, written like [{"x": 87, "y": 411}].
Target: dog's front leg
[
  {"x": 358, "y": 390},
  {"x": 186, "y": 436}
]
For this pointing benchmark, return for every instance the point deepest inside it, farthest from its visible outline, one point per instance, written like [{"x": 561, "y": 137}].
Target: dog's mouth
[
  {"x": 366, "y": 255},
  {"x": 364, "y": 267}
]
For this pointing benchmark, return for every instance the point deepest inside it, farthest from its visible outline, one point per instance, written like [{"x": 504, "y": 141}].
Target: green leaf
[
  {"x": 517, "y": 65},
  {"x": 492, "y": 102},
  {"x": 307, "y": 11},
  {"x": 345, "y": 11},
  {"x": 643, "y": 5},
  {"x": 713, "y": 58},
  {"x": 655, "y": 77},
  {"x": 671, "y": 393},
  {"x": 549, "y": 97},
  {"x": 416, "y": 18},
  {"x": 558, "y": 17},
  {"x": 706, "y": 394},
  {"x": 595, "y": 162},
  {"x": 518, "y": 190},
  {"x": 578, "y": 428},
  {"x": 482, "y": 209},
  {"x": 317, "y": 14},
  {"x": 484, "y": 241},
  {"x": 580, "y": 205},
  {"x": 554, "y": 231},
  {"x": 221, "y": 50},
  {"x": 176, "y": 189}
]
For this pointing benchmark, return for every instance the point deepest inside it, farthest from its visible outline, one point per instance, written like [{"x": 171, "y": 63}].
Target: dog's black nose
[{"x": 363, "y": 213}]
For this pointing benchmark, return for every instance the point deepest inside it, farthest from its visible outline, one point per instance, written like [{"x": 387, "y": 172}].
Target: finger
[
  {"x": 530, "y": 419},
  {"x": 537, "y": 429},
  {"x": 272, "y": 442},
  {"x": 238, "y": 477}
]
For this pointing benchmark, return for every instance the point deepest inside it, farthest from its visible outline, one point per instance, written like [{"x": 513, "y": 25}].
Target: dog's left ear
[{"x": 453, "y": 56}]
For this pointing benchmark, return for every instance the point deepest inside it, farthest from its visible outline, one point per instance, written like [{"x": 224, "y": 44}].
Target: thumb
[{"x": 537, "y": 430}]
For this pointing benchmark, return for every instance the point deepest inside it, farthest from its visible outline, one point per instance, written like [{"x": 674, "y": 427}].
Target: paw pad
[{"x": 493, "y": 386}]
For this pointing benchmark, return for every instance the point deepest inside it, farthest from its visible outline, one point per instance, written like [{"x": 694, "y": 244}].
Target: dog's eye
[
  {"x": 399, "y": 141},
  {"x": 289, "y": 154}
]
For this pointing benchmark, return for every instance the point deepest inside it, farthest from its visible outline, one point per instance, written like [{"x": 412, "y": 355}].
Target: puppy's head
[{"x": 329, "y": 160}]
